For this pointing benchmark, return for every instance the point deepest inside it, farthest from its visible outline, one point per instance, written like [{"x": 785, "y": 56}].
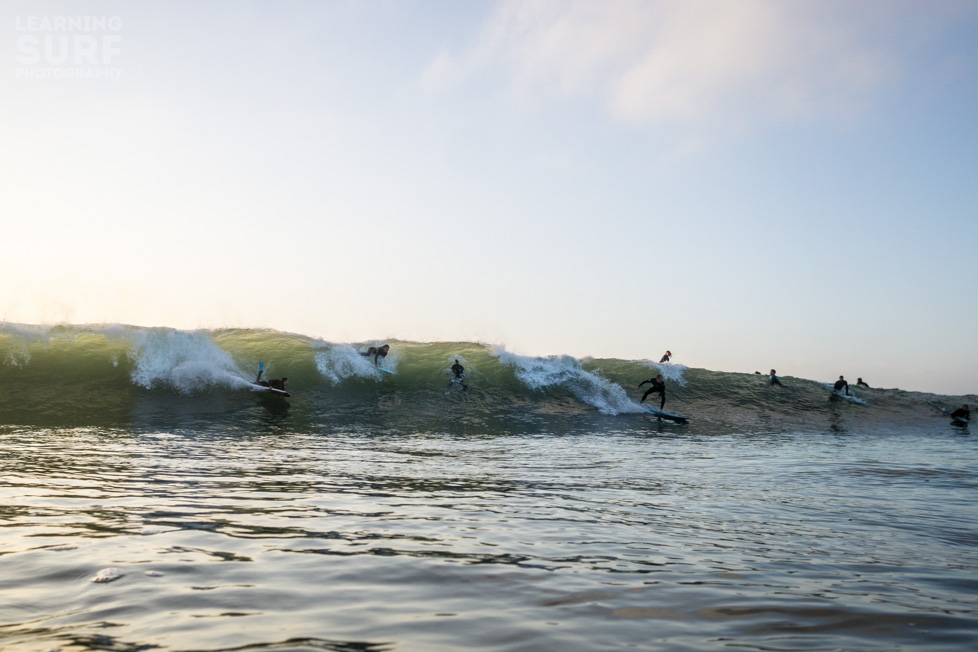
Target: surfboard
[
  {"x": 386, "y": 371},
  {"x": 852, "y": 398},
  {"x": 665, "y": 415},
  {"x": 959, "y": 419},
  {"x": 273, "y": 390}
]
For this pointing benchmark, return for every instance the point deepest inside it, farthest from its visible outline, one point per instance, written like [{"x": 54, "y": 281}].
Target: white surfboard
[
  {"x": 852, "y": 398},
  {"x": 273, "y": 390}
]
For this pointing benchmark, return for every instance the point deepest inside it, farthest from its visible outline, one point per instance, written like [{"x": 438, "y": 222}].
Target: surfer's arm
[{"x": 645, "y": 381}]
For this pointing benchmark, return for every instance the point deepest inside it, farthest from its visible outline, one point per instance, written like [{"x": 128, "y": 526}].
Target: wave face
[{"x": 134, "y": 377}]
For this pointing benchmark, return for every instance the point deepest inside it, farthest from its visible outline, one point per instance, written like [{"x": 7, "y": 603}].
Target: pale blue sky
[{"x": 750, "y": 184}]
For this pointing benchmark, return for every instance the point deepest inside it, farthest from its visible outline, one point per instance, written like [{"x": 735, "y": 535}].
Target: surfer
[
  {"x": 861, "y": 383},
  {"x": 376, "y": 352},
  {"x": 841, "y": 384},
  {"x": 666, "y": 357},
  {"x": 962, "y": 413},
  {"x": 457, "y": 371},
  {"x": 658, "y": 386},
  {"x": 774, "y": 379},
  {"x": 275, "y": 383},
  {"x": 458, "y": 375}
]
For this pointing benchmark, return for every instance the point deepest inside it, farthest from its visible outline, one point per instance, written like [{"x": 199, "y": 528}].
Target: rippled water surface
[{"x": 632, "y": 537}]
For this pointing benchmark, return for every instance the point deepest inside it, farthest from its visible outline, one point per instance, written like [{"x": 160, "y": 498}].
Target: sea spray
[
  {"x": 184, "y": 361},
  {"x": 339, "y": 362},
  {"x": 565, "y": 372}
]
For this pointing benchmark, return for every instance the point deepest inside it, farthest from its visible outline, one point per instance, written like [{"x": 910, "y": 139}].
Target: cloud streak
[{"x": 686, "y": 62}]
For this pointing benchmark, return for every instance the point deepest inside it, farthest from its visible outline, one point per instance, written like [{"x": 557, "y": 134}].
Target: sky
[{"x": 751, "y": 184}]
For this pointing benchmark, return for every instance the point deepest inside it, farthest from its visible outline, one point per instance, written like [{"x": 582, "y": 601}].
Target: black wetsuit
[
  {"x": 375, "y": 352},
  {"x": 841, "y": 384},
  {"x": 656, "y": 387},
  {"x": 665, "y": 358},
  {"x": 775, "y": 381},
  {"x": 961, "y": 413},
  {"x": 458, "y": 371}
]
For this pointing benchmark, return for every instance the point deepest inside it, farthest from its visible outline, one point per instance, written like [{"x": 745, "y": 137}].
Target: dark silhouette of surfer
[
  {"x": 457, "y": 370},
  {"x": 774, "y": 379},
  {"x": 274, "y": 383},
  {"x": 376, "y": 352},
  {"x": 658, "y": 386},
  {"x": 666, "y": 357},
  {"x": 458, "y": 374},
  {"x": 962, "y": 413},
  {"x": 841, "y": 384},
  {"x": 861, "y": 383}
]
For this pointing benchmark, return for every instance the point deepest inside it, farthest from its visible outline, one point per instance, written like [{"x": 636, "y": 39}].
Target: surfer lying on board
[
  {"x": 658, "y": 385},
  {"x": 841, "y": 384},
  {"x": 962, "y": 413},
  {"x": 666, "y": 357},
  {"x": 377, "y": 352},
  {"x": 861, "y": 383},
  {"x": 275, "y": 383},
  {"x": 774, "y": 379}
]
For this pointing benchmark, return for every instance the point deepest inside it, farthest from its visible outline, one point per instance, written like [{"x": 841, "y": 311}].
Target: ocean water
[{"x": 152, "y": 499}]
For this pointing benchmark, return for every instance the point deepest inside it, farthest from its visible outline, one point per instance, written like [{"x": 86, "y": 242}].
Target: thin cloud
[{"x": 678, "y": 62}]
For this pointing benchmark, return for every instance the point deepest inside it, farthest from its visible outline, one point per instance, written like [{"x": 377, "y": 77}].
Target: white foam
[
  {"x": 106, "y": 575},
  {"x": 567, "y": 373},
  {"x": 338, "y": 362},
  {"x": 675, "y": 373},
  {"x": 183, "y": 360}
]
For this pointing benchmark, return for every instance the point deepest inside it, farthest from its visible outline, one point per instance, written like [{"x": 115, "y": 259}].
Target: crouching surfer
[
  {"x": 377, "y": 352},
  {"x": 658, "y": 386}
]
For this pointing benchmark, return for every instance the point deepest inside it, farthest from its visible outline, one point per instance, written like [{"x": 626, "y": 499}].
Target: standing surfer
[
  {"x": 658, "y": 386},
  {"x": 666, "y": 357}
]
